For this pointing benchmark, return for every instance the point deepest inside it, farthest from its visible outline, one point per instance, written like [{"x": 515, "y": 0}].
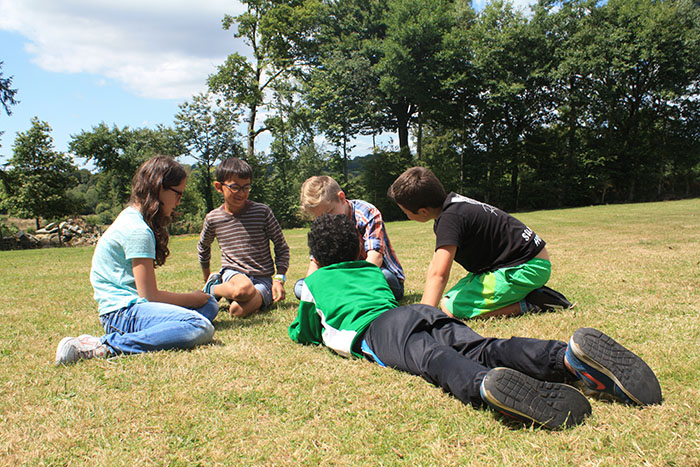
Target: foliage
[
  {"x": 378, "y": 173},
  {"x": 7, "y": 94},
  {"x": 264, "y": 29},
  {"x": 337, "y": 91},
  {"x": 85, "y": 193},
  {"x": 581, "y": 102},
  {"x": 207, "y": 127},
  {"x": 7, "y": 229},
  {"x": 38, "y": 177},
  {"x": 117, "y": 153}
]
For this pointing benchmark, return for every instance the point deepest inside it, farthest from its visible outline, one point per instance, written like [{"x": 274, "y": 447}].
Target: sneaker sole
[
  {"x": 549, "y": 299},
  {"x": 551, "y": 405},
  {"x": 631, "y": 374}
]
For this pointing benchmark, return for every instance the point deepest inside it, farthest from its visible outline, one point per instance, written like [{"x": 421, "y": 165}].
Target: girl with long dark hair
[{"x": 136, "y": 315}]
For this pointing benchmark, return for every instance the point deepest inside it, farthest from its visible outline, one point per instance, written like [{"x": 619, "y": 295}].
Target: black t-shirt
[{"x": 486, "y": 237}]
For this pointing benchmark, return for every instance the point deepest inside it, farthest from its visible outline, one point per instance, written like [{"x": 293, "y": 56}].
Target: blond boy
[{"x": 322, "y": 195}]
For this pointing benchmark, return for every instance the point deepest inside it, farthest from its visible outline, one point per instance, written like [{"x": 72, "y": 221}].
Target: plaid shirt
[{"x": 371, "y": 227}]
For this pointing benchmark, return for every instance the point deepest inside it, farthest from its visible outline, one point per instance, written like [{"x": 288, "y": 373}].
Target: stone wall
[{"x": 71, "y": 232}]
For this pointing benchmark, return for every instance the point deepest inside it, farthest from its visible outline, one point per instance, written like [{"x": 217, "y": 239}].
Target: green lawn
[{"x": 254, "y": 397}]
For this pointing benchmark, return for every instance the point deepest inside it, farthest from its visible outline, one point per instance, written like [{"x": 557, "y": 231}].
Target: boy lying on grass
[{"x": 348, "y": 306}]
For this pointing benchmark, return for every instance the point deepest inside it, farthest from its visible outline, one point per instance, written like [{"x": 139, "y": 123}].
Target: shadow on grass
[
  {"x": 410, "y": 299},
  {"x": 224, "y": 320}
]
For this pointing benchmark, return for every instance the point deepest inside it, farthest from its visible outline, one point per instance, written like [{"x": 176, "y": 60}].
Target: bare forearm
[
  {"x": 434, "y": 288},
  {"x": 375, "y": 258},
  {"x": 188, "y": 300},
  {"x": 438, "y": 275}
]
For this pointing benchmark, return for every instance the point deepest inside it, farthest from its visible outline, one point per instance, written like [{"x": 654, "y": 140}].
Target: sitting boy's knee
[{"x": 443, "y": 307}]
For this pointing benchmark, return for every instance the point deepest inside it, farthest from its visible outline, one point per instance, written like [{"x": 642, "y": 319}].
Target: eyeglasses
[
  {"x": 236, "y": 188},
  {"x": 177, "y": 192}
]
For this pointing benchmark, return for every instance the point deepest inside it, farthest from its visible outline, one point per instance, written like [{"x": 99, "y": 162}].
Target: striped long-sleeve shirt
[{"x": 244, "y": 240}]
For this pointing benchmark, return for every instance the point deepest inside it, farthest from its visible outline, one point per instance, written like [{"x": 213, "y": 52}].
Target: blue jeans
[
  {"x": 395, "y": 285},
  {"x": 151, "y": 326}
]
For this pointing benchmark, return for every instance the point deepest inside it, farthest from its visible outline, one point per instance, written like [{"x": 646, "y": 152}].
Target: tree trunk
[
  {"x": 514, "y": 173},
  {"x": 403, "y": 115},
  {"x": 251, "y": 132},
  {"x": 345, "y": 159},
  {"x": 207, "y": 189},
  {"x": 419, "y": 138},
  {"x": 403, "y": 135}
]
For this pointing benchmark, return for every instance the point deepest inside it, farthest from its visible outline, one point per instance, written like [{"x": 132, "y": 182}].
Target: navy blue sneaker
[
  {"x": 214, "y": 279},
  {"x": 516, "y": 395},
  {"x": 607, "y": 367}
]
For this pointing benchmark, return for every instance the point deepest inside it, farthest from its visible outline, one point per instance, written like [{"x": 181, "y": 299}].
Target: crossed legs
[{"x": 244, "y": 297}]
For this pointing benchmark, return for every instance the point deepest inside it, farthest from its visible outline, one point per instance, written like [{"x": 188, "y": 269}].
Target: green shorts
[{"x": 477, "y": 294}]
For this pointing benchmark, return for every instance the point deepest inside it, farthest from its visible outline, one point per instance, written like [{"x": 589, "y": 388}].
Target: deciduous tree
[
  {"x": 207, "y": 126},
  {"x": 117, "y": 153},
  {"x": 37, "y": 176}
]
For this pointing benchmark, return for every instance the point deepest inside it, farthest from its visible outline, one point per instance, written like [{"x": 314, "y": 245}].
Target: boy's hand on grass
[{"x": 277, "y": 291}]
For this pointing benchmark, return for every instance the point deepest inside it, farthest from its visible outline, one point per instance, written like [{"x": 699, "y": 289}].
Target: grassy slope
[{"x": 254, "y": 397}]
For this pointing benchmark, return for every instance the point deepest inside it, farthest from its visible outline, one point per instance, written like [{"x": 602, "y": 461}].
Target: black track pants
[{"x": 424, "y": 341}]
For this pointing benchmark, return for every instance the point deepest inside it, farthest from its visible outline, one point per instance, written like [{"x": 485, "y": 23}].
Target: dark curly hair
[
  {"x": 334, "y": 239},
  {"x": 156, "y": 173}
]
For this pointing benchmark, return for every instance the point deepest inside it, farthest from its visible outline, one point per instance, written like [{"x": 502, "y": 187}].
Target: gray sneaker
[
  {"x": 214, "y": 279},
  {"x": 72, "y": 349}
]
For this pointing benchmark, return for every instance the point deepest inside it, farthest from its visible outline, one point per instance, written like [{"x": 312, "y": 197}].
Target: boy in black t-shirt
[{"x": 506, "y": 260}]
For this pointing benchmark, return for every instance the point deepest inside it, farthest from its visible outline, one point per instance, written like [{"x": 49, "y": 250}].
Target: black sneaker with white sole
[
  {"x": 547, "y": 299},
  {"x": 516, "y": 395}
]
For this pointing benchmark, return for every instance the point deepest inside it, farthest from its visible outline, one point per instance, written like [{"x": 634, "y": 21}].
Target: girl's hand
[{"x": 200, "y": 297}]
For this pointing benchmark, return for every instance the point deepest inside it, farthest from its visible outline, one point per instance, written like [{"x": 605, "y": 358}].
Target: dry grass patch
[{"x": 252, "y": 397}]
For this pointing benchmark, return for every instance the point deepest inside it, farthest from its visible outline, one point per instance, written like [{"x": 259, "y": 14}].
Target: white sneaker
[{"x": 72, "y": 349}]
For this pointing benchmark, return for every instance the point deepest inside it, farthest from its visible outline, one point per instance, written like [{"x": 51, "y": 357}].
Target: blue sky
[{"x": 77, "y": 63}]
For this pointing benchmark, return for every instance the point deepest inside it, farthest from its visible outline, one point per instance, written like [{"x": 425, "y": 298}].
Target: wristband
[{"x": 280, "y": 277}]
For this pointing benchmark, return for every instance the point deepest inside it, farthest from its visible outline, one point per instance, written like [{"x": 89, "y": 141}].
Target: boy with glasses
[{"x": 249, "y": 277}]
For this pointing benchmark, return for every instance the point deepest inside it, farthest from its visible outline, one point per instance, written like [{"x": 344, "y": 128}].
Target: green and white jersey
[{"x": 338, "y": 303}]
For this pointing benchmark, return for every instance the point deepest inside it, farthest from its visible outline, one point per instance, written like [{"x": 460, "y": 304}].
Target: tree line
[{"x": 574, "y": 103}]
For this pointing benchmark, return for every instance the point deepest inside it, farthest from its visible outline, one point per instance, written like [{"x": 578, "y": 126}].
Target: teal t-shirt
[{"x": 112, "y": 275}]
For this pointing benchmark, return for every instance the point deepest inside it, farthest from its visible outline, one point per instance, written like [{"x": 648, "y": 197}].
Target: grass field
[{"x": 253, "y": 397}]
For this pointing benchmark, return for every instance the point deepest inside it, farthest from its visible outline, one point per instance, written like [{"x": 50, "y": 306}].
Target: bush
[{"x": 7, "y": 229}]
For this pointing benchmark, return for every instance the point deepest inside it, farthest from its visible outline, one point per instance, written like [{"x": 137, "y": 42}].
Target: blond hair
[{"x": 318, "y": 189}]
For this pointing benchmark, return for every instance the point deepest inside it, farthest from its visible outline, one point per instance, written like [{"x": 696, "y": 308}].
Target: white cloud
[{"x": 156, "y": 49}]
